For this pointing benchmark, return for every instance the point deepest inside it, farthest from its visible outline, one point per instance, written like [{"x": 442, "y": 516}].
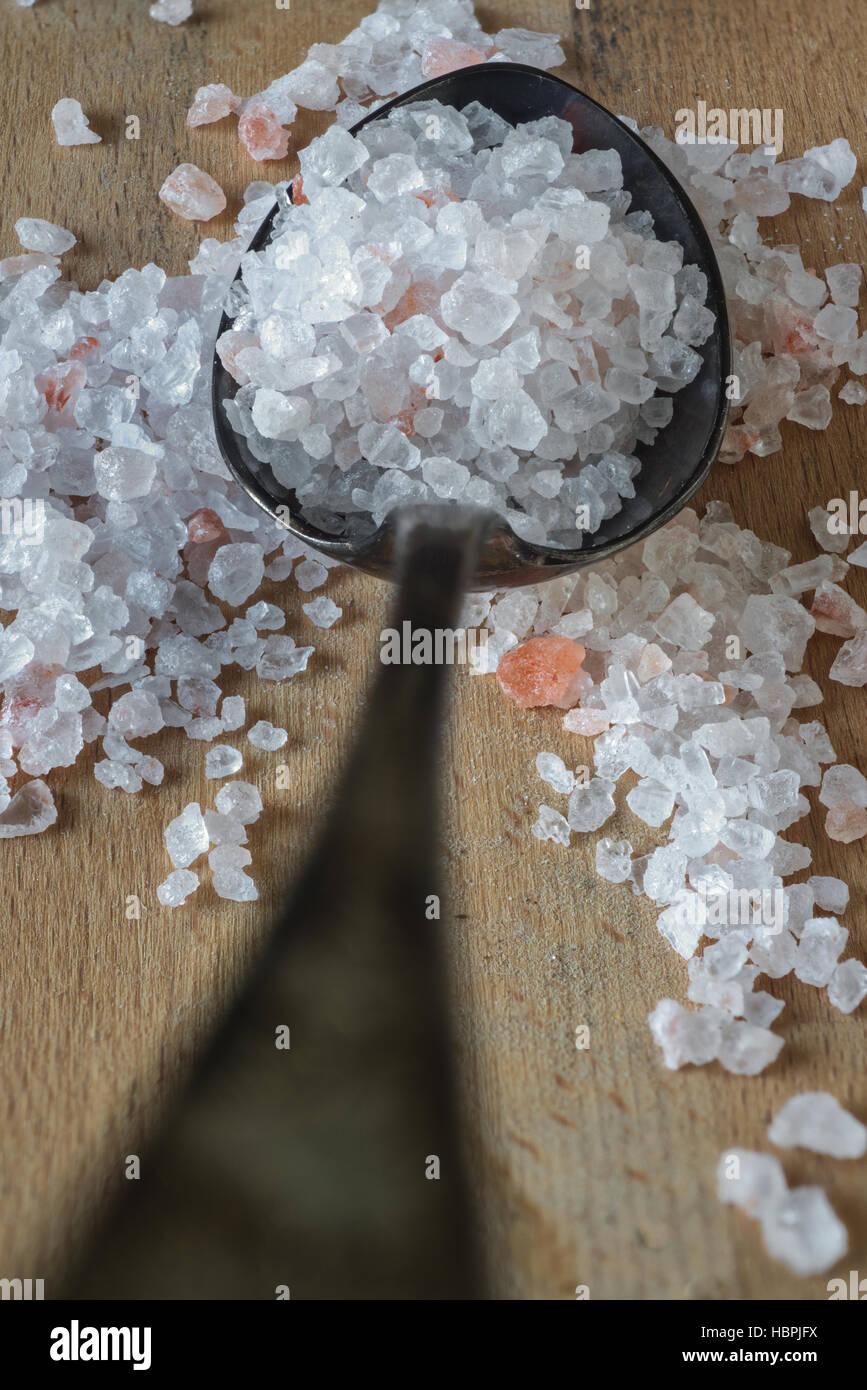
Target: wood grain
[{"x": 591, "y": 1167}]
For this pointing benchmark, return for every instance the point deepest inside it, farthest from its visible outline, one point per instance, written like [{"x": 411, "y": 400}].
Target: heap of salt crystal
[
  {"x": 638, "y": 652},
  {"x": 420, "y": 327}
]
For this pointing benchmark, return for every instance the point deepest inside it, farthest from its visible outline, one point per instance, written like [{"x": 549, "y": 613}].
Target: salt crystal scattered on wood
[{"x": 192, "y": 194}]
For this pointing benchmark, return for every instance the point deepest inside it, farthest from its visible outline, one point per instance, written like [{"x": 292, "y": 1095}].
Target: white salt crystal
[
  {"x": 848, "y": 986},
  {"x": 853, "y": 393},
  {"x": 171, "y": 11},
  {"x": 224, "y": 830},
  {"x": 234, "y": 885},
  {"x": 831, "y": 894},
  {"x": 71, "y": 126},
  {"x": 822, "y": 941},
  {"x": 323, "y": 611},
  {"x": 753, "y": 1181},
  {"x": 35, "y": 234},
  {"x": 239, "y": 801},
  {"x": 310, "y": 574},
  {"x": 591, "y": 804},
  {"x": 186, "y": 836},
  {"x": 613, "y": 859},
  {"x": 815, "y": 1120},
  {"x": 265, "y": 735},
  {"x": 30, "y": 811},
  {"x": 175, "y": 890},
  {"x": 551, "y": 825},
  {"x": 554, "y": 771},
  {"x": 236, "y": 572},
  {"x": 803, "y": 1231},
  {"x": 222, "y": 761}
]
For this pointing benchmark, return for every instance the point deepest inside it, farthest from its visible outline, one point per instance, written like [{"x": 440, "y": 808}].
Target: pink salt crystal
[
  {"x": 440, "y": 56},
  {"x": 540, "y": 672},
  {"x": 261, "y": 133},
  {"x": 193, "y": 194},
  {"x": 205, "y": 525},
  {"x": 229, "y": 344},
  {"x": 850, "y": 664},
  {"x": 846, "y": 822},
  {"x": 212, "y": 103},
  {"x": 652, "y": 663},
  {"x": 836, "y": 611},
  {"x": 61, "y": 385}
]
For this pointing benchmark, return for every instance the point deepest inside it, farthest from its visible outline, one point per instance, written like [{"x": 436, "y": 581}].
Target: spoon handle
[{"x": 332, "y": 1167}]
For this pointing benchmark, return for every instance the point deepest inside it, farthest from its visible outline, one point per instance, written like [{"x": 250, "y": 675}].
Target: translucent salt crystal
[
  {"x": 587, "y": 722},
  {"x": 761, "y": 1008},
  {"x": 265, "y": 735},
  {"x": 849, "y": 667},
  {"x": 815, "y": 1120},
  {"x": 229, "y": 856},
  {"x": 30, "y": 811},
  {"x": 812, "y": 408},
  {"x": 830, "y": 894},
  {"x": 613, "y": 859},
  {"x": 685, "y": 1036},
  {"x": 16, "y": 652},
  {"x": 117, "y": 775},
  {"x": 236, "y": 572},
  {"x": 310, "y": 574},
  {"x": 853, "y": 393},
  {"x": 175, "y": 890},
  {"x": 71, "y": 126},
  {"x": 224, "y": 830},
  {"x": 591, "y": 804},
  {"x": 239, "y": 801},
  {"x": 322, "y": 611},
  {"x": 266, "y": 617},
  {"x": 774, "y": 623},
  {"x": 685, "y": 623},
  {"x": 746, "y": 1050},
  {"x": 123, "y": 474},
  {"x": 752, "y": 1181},
  {"x": 171, "y": 11},
  {"x": 803, "y": 1231},
  {"x": 234, "y": 885},
  {"x": 554, "y": 771},
  {"x": 526, "y": 46},
  {"x": 211, "y": 103},
  {"x": 186, "y": 836},
  {"x": 846, "y": 822},
  {"x": 281, "y": 659},
  {"x": 311, "y": 85},
  {"x": 836, "y": 323},
  {"x": 261, "y": 132},
  {"x": 540, "y": 671},
  {"x": 332, "y": 157},
  {"x": 822, "y": 941},
  {"x": 35, "y": 234},
  {"x": 472, "y": 310},
  {"x": 222, "y": 761},
  {"x": 848, "y": 986},
  {"x": 844, "y": 282},
  {"x": 191, "y": 193},
  {"x": 651, "y": 802},
  {"x": 136, "y": 714},
  {"x": 843, "y": 783},
  {"x": 551, "y": 825}
]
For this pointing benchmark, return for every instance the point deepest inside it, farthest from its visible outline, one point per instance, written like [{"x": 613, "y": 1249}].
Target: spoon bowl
[{"x": 673, "y": 468}]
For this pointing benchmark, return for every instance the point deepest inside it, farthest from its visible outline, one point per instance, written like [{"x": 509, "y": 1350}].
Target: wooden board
[{"x": 591, "y": 1167}]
